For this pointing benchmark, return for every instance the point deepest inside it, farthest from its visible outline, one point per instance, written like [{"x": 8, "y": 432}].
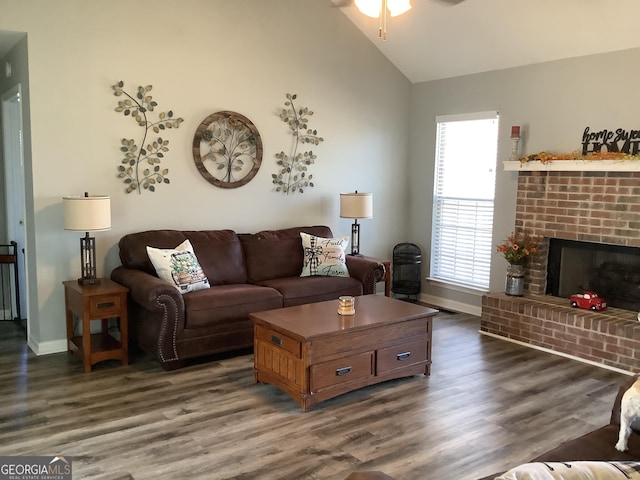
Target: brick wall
[{"x": 601, "y": 207}]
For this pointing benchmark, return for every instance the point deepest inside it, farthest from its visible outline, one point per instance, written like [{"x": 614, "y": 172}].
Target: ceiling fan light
[
  {"x": 398, "y": 7},
  {"x": 370, "y": 8}
]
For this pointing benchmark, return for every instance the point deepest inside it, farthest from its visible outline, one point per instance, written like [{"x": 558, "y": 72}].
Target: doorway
[{"x": 13, "y": 153}]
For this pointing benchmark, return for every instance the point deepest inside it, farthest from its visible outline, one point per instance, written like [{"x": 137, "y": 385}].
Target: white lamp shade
[
  {"x": 356, "y": 205},
  {"x": 87, "y": 214},
  {"x": 373, "y": 8}
]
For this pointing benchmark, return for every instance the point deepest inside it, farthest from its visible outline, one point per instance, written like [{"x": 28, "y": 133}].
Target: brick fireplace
[{"x": 597, "y": 207}]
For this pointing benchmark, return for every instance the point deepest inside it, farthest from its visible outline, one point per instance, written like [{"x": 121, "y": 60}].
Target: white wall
[
  {"x": 553, "y": 102},
  {"x": 202, "y": 56}
]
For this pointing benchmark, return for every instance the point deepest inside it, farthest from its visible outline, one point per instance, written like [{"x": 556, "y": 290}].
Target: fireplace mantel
[{"x": 574, "y": 166}]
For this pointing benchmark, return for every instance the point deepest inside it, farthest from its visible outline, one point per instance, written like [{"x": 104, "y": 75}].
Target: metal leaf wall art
[
  {"x": 140, "y": 168},
  {"x": 293, "y": 170}
]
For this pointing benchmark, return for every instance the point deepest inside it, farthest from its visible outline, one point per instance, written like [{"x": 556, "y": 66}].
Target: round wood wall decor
[{"x": 227, "y": 149}]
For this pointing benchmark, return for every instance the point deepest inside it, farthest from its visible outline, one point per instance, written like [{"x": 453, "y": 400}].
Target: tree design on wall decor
[
  {"x": 293, "y": 170},
  {"x": 140, "y": 166},
  {"x": 227, "y": 149}
]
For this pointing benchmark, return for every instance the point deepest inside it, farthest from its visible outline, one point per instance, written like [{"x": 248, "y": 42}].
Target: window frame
[{"x": 443, "y": 268}]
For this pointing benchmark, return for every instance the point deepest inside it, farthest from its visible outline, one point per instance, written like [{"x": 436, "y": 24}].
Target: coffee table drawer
[
  {"x": 403, "y": 355},
  {"x": 348, "y": 369},
  {"x": 278, "y": 340}
]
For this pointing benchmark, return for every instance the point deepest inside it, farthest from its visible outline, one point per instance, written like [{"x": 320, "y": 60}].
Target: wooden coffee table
[{"x": 313, "y": 354}]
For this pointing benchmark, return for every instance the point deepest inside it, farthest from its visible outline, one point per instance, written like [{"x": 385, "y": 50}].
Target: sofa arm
[
  {"x": 615, "y": 411},
  {"x": 158, "y": 316},
  {"x": 367, "y": 270}
]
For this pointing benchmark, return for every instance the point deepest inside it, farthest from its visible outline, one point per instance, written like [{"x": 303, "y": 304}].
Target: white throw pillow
[
  {"x": 324, "y": 256},
  {"x": 574, "y": 471},
  {"x": 179, "y": 266}
]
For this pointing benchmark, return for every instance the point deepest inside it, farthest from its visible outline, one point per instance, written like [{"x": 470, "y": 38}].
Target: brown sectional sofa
[
  {"x": 598, "y": 445},
  {"x": 247, "y": 272}
]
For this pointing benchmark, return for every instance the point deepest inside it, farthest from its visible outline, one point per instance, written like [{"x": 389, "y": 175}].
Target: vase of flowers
[
  {"x": 517, "y": 249},
  {"x": 515, "y": 281}
]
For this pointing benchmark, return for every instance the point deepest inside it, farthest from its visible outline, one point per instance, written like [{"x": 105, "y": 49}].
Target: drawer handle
[
  {"x": 343, "y": 371},
  {"x": 276, "y": 340},
  {"x": 403, "y": 356},
  {"x": 105, "y": 304}
]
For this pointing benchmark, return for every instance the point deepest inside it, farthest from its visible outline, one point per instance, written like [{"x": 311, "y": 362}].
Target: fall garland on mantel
[{"x": 546, "y": 157}]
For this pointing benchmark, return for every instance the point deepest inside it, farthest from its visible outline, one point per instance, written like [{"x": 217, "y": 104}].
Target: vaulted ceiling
[{"x": 447, "y": 38}]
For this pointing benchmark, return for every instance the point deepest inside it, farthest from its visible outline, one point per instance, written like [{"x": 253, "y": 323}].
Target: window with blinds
[{"x": 461, "y": 235}]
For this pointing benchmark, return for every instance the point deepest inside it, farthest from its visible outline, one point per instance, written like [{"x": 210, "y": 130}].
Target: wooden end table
[{"x": 101, "y": 301}]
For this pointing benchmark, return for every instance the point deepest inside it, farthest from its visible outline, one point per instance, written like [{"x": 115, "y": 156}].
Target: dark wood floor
[{"x": 488, "y": 405}]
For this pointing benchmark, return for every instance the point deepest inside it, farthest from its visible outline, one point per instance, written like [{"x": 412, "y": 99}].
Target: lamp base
[
  {"x": 88, "y": 261},
  {"x": 355, "y": 238}
]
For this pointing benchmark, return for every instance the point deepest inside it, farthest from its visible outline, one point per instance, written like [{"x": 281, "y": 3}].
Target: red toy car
[{"x": 588, "y": 300}]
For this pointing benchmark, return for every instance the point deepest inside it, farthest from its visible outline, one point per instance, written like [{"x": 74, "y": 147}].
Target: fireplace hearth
[
  {"x": 610, "y": 338},
  {"x": 590, "y": 207}
]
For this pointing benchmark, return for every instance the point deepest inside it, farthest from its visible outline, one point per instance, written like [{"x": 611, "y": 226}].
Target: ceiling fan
[{"x": 380, "y": 8}]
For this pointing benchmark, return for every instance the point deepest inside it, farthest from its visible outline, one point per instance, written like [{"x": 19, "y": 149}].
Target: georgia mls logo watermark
[{"x": 35, "y": 468}]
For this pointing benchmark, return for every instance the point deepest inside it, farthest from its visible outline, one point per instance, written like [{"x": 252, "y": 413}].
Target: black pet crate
[{"x": 407, "y": 262}]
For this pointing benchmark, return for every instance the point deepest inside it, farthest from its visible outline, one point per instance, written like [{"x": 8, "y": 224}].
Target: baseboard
[
  {"x": 46, "y": 348},
  {"x": 451, "y": 304},
  {"x": 560, "y": 354}
]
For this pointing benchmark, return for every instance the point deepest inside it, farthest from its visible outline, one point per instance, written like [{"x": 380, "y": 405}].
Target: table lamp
[
  {"x": 356, "y": 205},
  {"x": 87, "y": 214}
]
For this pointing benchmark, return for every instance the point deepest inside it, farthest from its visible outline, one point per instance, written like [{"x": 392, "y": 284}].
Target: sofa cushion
[
  {"x": 225, "y": 303},
  {"x": 324, "y": 256},
  {"x": 179, "y": 267},
  {"x": 596, "y": 445},
  {"x": 300, "y": 290},
  {"x": 573, "y": 470},
  {"x": 219, "y": 252},
  {"x": 276, "y": 253}
]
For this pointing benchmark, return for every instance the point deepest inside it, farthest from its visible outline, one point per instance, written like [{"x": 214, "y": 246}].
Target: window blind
[{"x": 463, "y": 201}]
